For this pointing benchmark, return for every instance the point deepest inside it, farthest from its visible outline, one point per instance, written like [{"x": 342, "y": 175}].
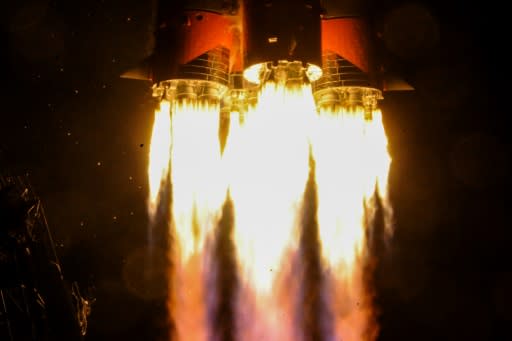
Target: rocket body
[{"x": 215, "y": 41}]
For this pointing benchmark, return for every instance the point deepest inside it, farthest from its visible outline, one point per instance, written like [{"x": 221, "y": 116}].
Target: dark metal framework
[{"x": 36, "y": 303}]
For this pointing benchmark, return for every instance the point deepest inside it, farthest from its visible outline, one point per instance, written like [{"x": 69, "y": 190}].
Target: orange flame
[
  {"x": 267, "y": 161},
  {"x": 351, "y": 160},
  {"x": 159, "y": 154},
  {"x": 198, "y": 192},
  {"x": 265, "y": 167}
]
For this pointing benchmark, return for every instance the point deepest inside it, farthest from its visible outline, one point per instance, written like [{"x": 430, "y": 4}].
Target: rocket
[{"x": 223, "y": 50}]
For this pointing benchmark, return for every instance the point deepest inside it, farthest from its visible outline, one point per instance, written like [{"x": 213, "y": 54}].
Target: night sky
[{"x": 81, "y": 134}]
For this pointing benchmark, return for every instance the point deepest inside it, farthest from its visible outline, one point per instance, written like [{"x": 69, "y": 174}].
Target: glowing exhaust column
[
  {"x": 189, "y": 70},
  {"x": 298, "y": 148},
  {"x": 352, "y": 165},
  {"x": 160, "y": 149},
  {"x": 267, "y": 161},
  {"x": 351, "y": 161},
  {"x": 272, "y": 145}
]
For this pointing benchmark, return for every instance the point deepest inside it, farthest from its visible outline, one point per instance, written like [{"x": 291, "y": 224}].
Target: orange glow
[
  {"x": 198, "y": 187},
  {"x": 351, "y": 159},
  {"x": 267, "y": 162},
  {"x": 190, "y": 133},
  {"x": 347, "y": 37},
  {"x": 198, "y": 193},
  {"x": 160, "y": 147},
  {"x": 265, "y": 168}
]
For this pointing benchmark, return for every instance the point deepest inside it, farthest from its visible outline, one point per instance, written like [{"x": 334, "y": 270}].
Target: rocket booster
[{"x": 221, "y": 49}]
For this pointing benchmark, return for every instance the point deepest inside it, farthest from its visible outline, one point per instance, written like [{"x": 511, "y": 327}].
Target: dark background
[{"x": 81, "y": 134}]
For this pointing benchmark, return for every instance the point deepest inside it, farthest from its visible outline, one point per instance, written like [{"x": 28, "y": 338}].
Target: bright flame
[
  {"x": 198, "y": 184},
  {"x": 198, "y": 191},
  {"x": 160, "y": 147},
  {"x": 254, "y": 72},
  {"x": 267, "y": 162},
  {"x": 313, "y": 72},
  {"x": 351, "y": 160},
  {"x": 265, "y": 168},
  {"x": 189, "y": 136}
]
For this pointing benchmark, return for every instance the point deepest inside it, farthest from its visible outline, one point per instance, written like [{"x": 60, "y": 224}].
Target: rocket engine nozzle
[
  {"x": 204, "y": 78},
  {"x": 284, "y": 72},
  {"x": 220, "y": 51},
  {"x": 282, "y": 39},
  {"x": 192, "y": 59},
  {"x": 345, "y": 85}
]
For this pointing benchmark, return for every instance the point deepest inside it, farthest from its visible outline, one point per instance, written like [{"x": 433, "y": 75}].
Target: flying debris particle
[
  {"x": 69, "y": 133},
  {"x": 139, "y": 187},
  {"x": 130, "y": 178},
  {"x": 129, "y": 19},
  {"x": 61, "y": 69},
  {"x": 114, "y": 218},
  {"x": 82, "y": 224},
  {"x": 114, "y": 60},
  {"x": 76, "y": 91},
  {"x": 141, "y": 145},
  {"x": 131, "y": 213},
  {"x": 104, "y": 86},
  {"x": 98, "y": 163}
]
